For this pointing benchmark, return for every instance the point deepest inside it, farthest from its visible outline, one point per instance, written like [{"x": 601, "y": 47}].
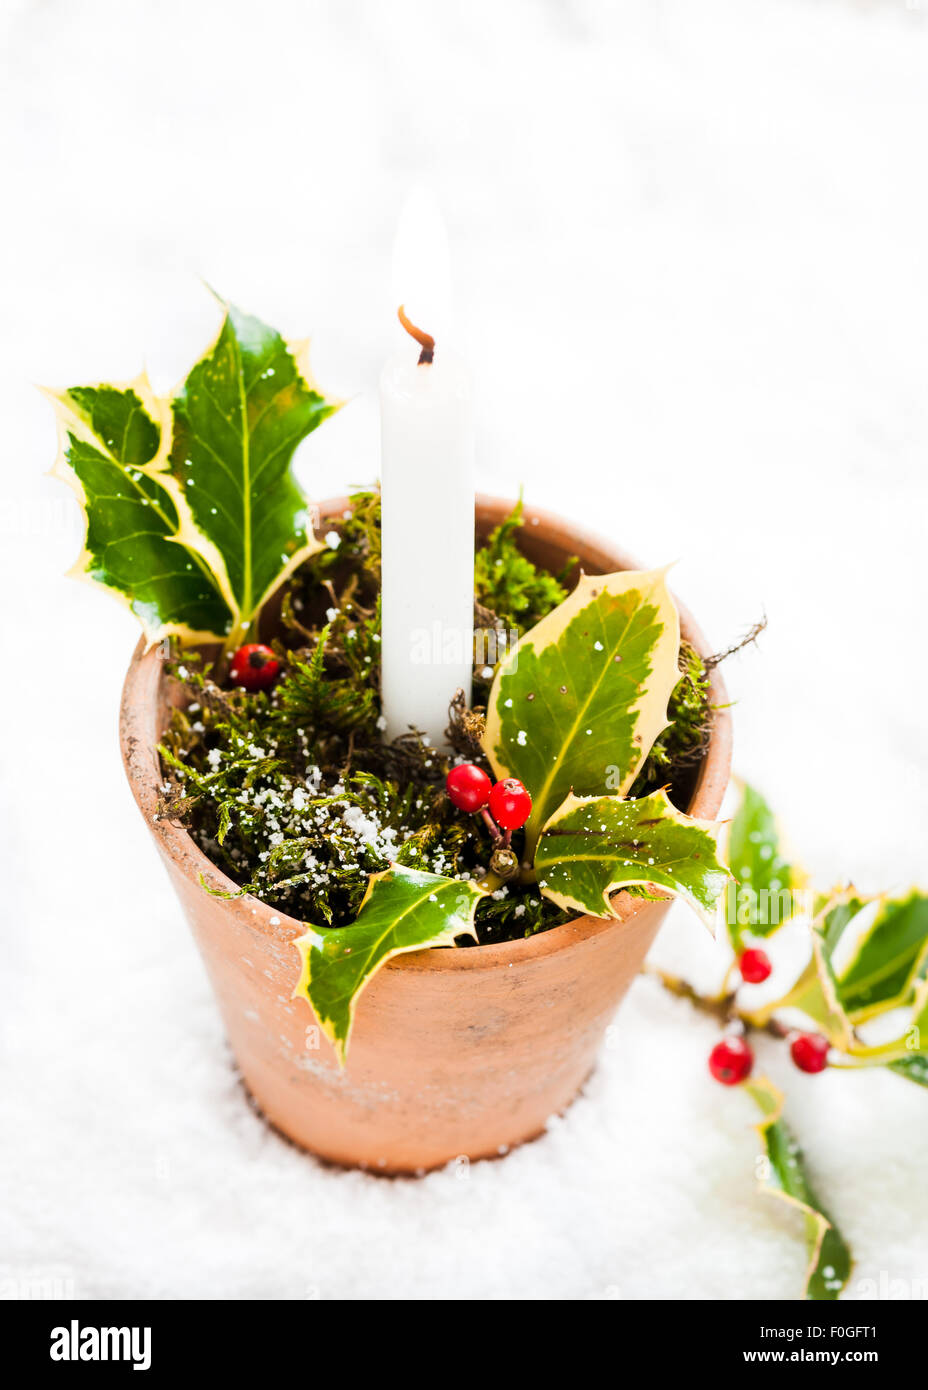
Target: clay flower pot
[{"x": 454, "y": 1052}]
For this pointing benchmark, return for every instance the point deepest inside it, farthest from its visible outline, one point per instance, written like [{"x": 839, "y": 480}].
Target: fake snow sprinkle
[
  {"x": 331, "y": 614},
  {"x": 333, "y": 540},
  {"x": 381, "y": 722},
  {"x": 597, "y": 646},
  {"x": 521, "y": 738}
]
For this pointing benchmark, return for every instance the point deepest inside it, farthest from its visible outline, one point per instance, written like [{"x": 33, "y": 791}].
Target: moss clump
[
  {"x": 681, "y": 745},
  {"x": 295, "y": 794},
  {"x": 506, "y": 583}
]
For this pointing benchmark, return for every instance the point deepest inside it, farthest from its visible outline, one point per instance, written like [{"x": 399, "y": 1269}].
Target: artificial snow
[{"x": 730, "y": 278}]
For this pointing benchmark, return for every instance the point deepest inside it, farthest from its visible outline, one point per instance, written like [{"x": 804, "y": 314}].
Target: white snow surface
[{"x": 689, "y": 245}]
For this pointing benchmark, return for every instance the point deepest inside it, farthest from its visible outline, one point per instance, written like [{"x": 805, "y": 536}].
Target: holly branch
[{"x": 868, "y": 959}]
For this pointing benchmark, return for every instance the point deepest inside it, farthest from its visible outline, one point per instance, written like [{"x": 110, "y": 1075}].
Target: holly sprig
[
  {"x": 868, "y": 959},
  {"x": 193, "y": 516}
]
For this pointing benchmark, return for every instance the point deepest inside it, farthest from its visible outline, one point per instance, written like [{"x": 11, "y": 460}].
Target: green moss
[
  {"x": 509, "y": 585},
  {"x": 295, "y": 794},
  {"x": 681, "y": 745}
]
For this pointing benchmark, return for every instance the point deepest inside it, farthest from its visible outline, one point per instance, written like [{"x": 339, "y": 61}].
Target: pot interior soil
[{"x": 295, "y": 795}]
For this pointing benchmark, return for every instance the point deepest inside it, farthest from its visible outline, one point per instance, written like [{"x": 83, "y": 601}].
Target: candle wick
[{"x": 425, "y": 340}]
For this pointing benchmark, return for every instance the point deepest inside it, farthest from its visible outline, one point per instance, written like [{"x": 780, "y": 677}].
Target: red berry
[
  {"x": 730, "y": 1061},
  {"x": 254, "y": 666},
  {"x": 510, "y": 804},
  {"x": 754, "y": 966},
  {"x": 468, "y": 786},
  {"x": 810, "y": 1052}
]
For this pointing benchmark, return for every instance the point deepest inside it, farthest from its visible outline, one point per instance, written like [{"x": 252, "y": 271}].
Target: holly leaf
[
  {"x": 403, "y": 910},
  {"x": 886, "y": 971},
  {"x": 766, "y": 896},
  {"x": 784, "y": 1176},
  {"x": 889, "y": 958},
  {"x": 576, "y": 705},
  {"x": 594, "y": 845},
  {"x": 911, "y": 1043},
  {"x": 913, "y": 1068},
  {"x": 193, "y": 516},
  {"x": 238, "y": 418},
  {"x": 140, "y": 540}
]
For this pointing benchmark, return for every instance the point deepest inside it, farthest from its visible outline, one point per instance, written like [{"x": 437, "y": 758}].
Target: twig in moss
[{"x": 749, "y": 637}]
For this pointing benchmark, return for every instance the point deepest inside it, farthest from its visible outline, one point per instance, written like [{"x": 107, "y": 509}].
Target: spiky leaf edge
[
  {"x": 568, "y": 903},
  {"x": 188, "y": 535}
]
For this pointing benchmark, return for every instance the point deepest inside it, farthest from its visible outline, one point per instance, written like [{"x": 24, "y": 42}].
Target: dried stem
[
  {"x": 750, "y": 636},
  {"x": 723, "y": 1007}
]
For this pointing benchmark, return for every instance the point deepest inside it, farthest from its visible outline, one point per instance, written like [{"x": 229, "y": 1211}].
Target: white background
[{"x": 690, "y": 252}]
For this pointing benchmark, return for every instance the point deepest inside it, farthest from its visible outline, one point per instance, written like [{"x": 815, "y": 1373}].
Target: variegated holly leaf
[
  {"x": 238, "y": 418},
  {"x": 783, "y": 1175},
  {"x": 193, "y": 515},
  {"x": 911, "y": 1043},
  {"x": 885, "y": 970},
  {"x": 140, "y": 540},
  {"x": 403, "y": 910},
  {"x": 578, "y": 702},
  {"x": 889, "y": 937},
  {"x": 765, "y": 893},
  {"x": 889, "y": 958},
  {"x": 594, "y": 845}
]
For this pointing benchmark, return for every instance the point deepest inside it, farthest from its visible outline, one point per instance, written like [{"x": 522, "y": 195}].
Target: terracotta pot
[{"x": 454, "y": 1052}]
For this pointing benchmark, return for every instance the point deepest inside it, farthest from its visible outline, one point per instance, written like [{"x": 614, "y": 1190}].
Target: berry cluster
[
  {"x": 505, "y": 806},
  {"x": 731, "y": 1060}
]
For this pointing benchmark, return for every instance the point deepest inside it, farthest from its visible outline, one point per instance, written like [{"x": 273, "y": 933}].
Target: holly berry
[
  {"x": 730, "y": 1061},
  {"x": 510, "y": 804},
  {"x": 810, "y": 1052},
  {"x": 254, "y": 666},
  {"x": 754, "y": 966},
  {"x": 468, "y": 787}
]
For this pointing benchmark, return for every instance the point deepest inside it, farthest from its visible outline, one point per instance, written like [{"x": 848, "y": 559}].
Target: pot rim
[{"x": 138, "y": 742}]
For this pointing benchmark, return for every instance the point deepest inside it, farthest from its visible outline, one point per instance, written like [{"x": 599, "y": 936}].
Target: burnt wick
[{"x": 425, "y": 340}]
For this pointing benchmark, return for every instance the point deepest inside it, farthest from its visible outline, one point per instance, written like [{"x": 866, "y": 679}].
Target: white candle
[{"x": 427, "y": 481}]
